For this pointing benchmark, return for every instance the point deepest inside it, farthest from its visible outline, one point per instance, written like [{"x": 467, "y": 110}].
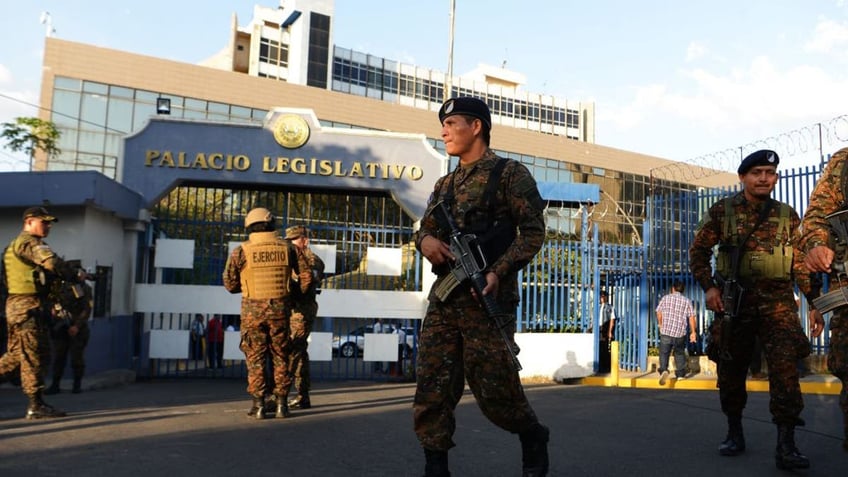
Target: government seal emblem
[{"x": 291, "y": 131}]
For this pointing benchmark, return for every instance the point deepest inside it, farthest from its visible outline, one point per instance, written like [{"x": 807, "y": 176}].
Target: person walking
[
  {"x": 261, "y": 269},
  {"x": 754, "y": 234},
  {"x": 29, "y": 264},
  {"x": 70, "y": 332},
  {"x": 496, "y": 199},
  {"x": 824, "y": 252},
  {"x": 673, "y": 311},
  {"x": 304, "y": 313}
]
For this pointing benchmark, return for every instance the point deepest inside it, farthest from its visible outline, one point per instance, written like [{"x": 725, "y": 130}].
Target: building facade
[{"x": 156, "y": 127}]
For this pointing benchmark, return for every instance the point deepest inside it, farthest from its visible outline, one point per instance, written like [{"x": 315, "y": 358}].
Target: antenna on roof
[{"x": 47, "y": 20}]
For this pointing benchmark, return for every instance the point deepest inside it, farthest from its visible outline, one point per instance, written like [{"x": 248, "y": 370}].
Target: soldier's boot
[
  {"x": 54, "y": 387},
  {"x": 282, "y": 408},
  {"x": 436, "y": 464},
  {"x": 270, "y": 404},
  {"x": 77, "y": 385},
  {"x": 534, "y": 451},
  {"x": 258, "y": 409},
  {"x": 300, "y": 402},
  {"x": 787, "y": 456},
  {"x": 38, "y": 409},
  {"x": 734, "y": 443}
]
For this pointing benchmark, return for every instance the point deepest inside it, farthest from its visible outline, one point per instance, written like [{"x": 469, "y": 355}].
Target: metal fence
[{"x": 558, "y": 288}]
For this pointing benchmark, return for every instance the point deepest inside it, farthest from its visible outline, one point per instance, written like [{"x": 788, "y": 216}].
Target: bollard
[{"x": 614, "y": 362}]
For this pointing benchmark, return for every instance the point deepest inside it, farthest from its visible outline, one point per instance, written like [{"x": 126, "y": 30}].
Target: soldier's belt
[{"x": 831, "y": 300}]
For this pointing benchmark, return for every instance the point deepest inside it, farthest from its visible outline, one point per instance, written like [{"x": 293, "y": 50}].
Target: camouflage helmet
[{"x": 259, "y": 214}]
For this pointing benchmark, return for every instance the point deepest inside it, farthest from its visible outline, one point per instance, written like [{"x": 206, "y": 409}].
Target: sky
[{"x": 697, "y": 81}]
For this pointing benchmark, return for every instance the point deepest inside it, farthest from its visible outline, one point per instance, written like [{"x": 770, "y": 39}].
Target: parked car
[{"x": 353, "y": 343}]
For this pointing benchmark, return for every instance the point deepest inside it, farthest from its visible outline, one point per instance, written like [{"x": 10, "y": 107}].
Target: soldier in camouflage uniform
[
  {"x": 261, "y": 270},
  {"x": 70, "y": 331},
  {"x": 818, "y": 243},
  {"x": 755, "y": 234},
  {"x": 303, "y": 315},
  {"x": 458, "y": 341},
  {"x": 28, "y": 263}
]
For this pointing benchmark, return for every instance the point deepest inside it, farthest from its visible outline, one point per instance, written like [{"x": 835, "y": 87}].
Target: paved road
[{"x": 198, "y": 427}]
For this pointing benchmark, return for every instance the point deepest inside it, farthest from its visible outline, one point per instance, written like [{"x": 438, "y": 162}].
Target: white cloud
[
  {"x": 829, "y": 37},
  {"x": 5, "y": 75},
  {"x": 695, "y": 50}
]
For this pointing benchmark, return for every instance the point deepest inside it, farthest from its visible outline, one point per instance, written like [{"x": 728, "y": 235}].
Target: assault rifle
[
  {"x": 65, "y": 295},
  {"x": 471, "y": 266},
  {"x": 731, "y": 298},
  {"x": 837, "y": 298}
]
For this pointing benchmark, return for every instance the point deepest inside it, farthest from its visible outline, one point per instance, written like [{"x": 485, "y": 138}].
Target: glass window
[
  {"x": 97, "y": 88},
  {"x": 120, "y": 92},
  {"x": 92, "y": 142},
  {"x": 67, "y": 139},
  {"x": 60, "y": 82},
  {"x": 66, "y": 107},
  {"x": 119, "y": 118},
  {"x": 93, "y": 110}
]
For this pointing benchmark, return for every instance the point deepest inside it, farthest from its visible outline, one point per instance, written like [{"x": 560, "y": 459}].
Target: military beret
[
  {"x": 466, "y": 106},
  {"x": 39, "y": 213},
  {"x": 296, "y": 231},
  {"x": 763, "y": 157}
]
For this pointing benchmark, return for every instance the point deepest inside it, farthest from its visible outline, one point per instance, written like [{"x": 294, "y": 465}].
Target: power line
[{"x": 57, "y": 113}]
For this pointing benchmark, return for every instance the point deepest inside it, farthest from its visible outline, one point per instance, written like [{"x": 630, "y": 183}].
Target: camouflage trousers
[
  {"x": 64, "y": 345},
  {"x": 784, "y": 343},
  {"x": 837, "y": 357},
  {"x": 28, "y": 349},
  {"x": 302, "y": 320},
  {"x": 458, "y": 342},
  {"x": 264, "y": 340}
]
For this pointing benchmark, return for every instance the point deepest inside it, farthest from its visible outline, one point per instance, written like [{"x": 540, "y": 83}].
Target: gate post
[{"x": 644, "y": 301}]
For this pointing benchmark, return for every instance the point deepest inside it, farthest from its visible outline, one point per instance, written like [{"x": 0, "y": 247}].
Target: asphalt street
[{"x": 198, "y": 427}]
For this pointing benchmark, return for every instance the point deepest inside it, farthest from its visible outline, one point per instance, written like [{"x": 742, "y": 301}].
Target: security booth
[{"x": 99, "y": 225}]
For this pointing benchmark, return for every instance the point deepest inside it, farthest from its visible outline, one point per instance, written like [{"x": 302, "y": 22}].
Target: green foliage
[{"x": 29, "y": 135}]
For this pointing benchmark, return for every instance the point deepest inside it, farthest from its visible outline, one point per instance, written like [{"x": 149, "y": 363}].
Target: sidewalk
[{"x": 198, "y": 427}]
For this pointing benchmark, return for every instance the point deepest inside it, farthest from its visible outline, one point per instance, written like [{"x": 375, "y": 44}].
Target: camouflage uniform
[
  {"x": 768, "y": 310},
  {"x": 65, "y": 344},
  {"x": 458, "y": 341},
  {"x": 303, "y": 318},
  {"x": 828, "y": 197},
  {"x": 264, "y": 329},
  {"x": 28, "y": 319}
]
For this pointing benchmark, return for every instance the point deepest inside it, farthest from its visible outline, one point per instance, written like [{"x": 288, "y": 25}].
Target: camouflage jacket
[
  {"x": 710, "y": 232},
  {"x": 827, "y": 197},
  {"x": 517, "y": 199}
]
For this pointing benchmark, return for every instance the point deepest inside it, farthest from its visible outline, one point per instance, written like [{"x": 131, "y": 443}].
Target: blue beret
[
  {"x": 763, "y": 157},
  {"x": 466, "y": 106}
]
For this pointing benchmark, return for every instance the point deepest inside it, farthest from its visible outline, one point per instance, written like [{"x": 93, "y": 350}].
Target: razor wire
[{"x": 819, "y": 138}]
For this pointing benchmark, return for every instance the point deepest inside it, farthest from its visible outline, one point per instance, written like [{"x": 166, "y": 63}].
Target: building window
[
  {"x": 273, "y": 52},
  {"x": 319, "y": 50},
  {"x": 103, "y": 292}
]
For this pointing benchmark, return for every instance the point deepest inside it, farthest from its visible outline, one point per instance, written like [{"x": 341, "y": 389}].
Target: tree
[{"x": 30, "y": 135}]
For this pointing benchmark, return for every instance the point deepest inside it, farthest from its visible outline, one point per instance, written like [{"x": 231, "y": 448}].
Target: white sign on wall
[
  {"x": 384, "y": 261},
  {"x": 171, "y": 253}
]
